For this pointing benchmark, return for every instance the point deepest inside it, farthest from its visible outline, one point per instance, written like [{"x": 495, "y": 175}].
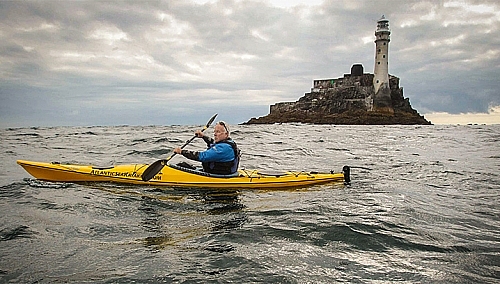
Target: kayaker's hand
[
  {"x": 178, "y": 150},
  {"x": 198, "y": 133}
]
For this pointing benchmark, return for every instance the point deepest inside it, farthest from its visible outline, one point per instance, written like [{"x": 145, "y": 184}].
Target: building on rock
[{"x": 356, "y": 98}]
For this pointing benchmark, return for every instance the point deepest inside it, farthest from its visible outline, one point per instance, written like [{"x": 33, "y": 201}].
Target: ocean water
[{"x": 423, "y": 207}]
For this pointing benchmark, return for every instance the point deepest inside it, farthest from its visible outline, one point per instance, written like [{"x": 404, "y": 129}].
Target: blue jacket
[
  {"x": 217, "y": 152},
  {"x": 220, "y": 158}
]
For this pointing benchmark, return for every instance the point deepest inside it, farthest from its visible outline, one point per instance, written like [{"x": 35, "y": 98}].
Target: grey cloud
[{"x": 151, "y": 55}]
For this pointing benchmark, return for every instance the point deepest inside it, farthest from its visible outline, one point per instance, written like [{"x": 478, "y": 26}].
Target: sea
[{"x": 423, "y": 206}]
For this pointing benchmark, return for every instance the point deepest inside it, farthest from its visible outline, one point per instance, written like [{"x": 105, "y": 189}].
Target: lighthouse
[{"x": 382, "y": 99}]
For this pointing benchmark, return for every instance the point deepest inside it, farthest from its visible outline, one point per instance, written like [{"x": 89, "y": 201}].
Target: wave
[
  {"x": 28, "y": 134},
  {"x": 168, "y": 140},
  {"x": 157, "y": 153},
  {"x": 19, "y": 232},
  {"x": 36, "y": 183},
  {"x": 13, "y": 190}
]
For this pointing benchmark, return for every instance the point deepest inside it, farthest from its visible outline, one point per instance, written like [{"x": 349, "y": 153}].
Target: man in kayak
[{"x": 222, "y": 155}]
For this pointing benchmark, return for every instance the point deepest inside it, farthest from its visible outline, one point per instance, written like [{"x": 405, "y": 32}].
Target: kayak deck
[{"x": 172, "y": 175}]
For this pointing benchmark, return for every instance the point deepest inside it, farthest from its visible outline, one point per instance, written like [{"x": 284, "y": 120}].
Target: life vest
[{"x": 224, "y": 168}]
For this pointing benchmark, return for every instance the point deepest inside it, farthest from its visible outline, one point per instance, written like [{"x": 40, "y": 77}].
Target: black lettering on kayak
[
  {"x": 120, "y": 174},
  {"x": 115, "y": 174}
]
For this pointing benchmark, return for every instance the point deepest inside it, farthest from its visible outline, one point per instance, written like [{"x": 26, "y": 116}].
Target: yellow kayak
[{"x": 175, "y": 176}]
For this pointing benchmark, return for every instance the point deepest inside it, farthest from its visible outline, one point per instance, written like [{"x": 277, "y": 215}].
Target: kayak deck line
[{"x": 177, "y": 176}]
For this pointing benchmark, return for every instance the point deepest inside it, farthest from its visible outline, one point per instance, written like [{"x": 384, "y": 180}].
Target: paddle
[{"x": 156, "y": 167}]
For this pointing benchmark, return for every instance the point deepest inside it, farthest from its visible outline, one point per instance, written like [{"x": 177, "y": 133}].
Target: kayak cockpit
[{"x": 199, "y": 171}]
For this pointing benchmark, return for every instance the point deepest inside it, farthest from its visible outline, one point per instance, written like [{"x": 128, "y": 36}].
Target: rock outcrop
[{"x": 347, "y": 100}]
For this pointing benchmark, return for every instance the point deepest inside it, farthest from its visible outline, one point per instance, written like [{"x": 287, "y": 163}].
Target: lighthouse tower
[{"x": 382, "y": 99}]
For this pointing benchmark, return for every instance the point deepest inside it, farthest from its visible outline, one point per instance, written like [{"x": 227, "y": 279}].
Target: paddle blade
[
  {"x": 153, "y": 169},
  {"x": 210, "y": 122}
]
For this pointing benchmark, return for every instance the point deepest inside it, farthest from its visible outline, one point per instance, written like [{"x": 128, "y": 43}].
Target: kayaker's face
[{"x": 220, "y": 133}]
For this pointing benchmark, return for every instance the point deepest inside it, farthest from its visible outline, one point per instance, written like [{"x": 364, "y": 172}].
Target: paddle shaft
[
  {"x": 190, "y": 140},
  {"x": 157, "y": 166}
]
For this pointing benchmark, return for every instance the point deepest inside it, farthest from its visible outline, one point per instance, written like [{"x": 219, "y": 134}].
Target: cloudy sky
[{"x": 181, "y": 61}]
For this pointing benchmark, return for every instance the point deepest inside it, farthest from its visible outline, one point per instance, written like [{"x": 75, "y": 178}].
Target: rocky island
[
  {"x": 347, "y": 100},
  {"x": 355, "y": 98}
]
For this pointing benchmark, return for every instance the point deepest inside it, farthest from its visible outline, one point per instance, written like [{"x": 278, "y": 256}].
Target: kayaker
[{"x": 222, "y": 154}]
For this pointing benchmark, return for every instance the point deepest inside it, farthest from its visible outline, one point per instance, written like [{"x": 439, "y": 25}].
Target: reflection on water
[{"x": 178, "y": 216}]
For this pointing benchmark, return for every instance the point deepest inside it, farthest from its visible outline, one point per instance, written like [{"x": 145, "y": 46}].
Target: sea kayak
[{"x": 176, "y": 176}]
